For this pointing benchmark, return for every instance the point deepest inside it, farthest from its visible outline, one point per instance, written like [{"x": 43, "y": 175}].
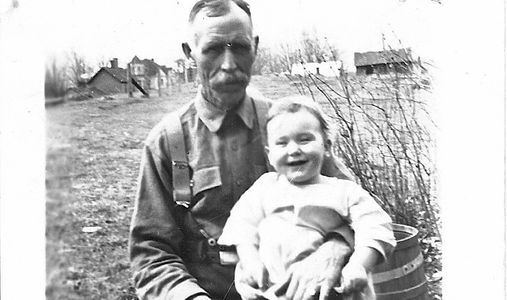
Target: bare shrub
[{"x": 384, "y": 137}]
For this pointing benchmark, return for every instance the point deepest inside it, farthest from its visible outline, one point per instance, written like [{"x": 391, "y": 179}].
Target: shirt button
[
  {"x": 234, "y": 146},
  {"x": 238, "y": 182}
]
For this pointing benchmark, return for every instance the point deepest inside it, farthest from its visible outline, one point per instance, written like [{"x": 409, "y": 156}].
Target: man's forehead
[{"x": 233, "y": 23}]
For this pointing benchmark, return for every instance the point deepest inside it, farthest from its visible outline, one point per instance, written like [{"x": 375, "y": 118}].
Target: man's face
[
  {"x": 296, "y": 146},
  {"x": 224, "y": 51}
]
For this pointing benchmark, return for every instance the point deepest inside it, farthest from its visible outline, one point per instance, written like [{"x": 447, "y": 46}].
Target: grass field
[{"x": 93, "y": 155}]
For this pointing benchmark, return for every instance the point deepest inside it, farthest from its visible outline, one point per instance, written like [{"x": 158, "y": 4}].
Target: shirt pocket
[{"x": 205, "y": 178}]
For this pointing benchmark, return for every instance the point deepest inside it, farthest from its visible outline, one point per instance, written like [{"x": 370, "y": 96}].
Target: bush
[{"x": 383, "y": 137}]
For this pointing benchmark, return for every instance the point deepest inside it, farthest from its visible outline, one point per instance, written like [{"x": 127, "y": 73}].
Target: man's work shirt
[{"x": 225, "y": 155}]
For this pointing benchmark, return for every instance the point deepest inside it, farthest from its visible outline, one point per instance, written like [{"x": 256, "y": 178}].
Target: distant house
[
  {"x": 384, "y": 62},
  {"x": 112, "y": 80},
  {"x": 149, "y": 74},
  {"x": 185, "y": 70},
  {"x": 325, "y": 68}
]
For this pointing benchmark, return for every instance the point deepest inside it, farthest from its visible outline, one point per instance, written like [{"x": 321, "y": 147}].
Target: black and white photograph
[{"x": 250, "y": 149}]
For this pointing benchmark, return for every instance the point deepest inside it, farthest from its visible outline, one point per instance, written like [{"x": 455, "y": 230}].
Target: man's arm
[{"x": 155, "y": 239}]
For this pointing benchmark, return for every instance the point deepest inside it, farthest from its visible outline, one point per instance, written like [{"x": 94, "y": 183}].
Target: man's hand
[{"x": 318, "y": 273}]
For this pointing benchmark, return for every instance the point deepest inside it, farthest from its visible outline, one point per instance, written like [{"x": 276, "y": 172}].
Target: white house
[{"x": 326, "y": 68}]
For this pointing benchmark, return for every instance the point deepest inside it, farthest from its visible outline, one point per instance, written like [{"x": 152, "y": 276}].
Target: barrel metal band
[
  {"x": 398, "y": 272},
  {"x": 408, "y": 290}
]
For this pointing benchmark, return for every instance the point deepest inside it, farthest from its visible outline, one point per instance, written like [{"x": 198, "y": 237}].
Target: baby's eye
[
  {"x": 281, "y": 143},
  {"x": 305, "y": 139}
]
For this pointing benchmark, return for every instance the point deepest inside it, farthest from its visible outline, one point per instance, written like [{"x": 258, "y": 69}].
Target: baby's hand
[
  {"x": 354, "y": 278},
  {"x": 255, "y": 274}
]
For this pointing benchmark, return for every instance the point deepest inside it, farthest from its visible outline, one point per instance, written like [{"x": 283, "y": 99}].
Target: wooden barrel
[{"x": 402, "y": 277}]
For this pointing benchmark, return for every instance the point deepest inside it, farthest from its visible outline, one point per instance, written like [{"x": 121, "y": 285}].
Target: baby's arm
[
  {"x": 374, "y": 239},
  {"x": 254, "y": 271},
  {"x": 355, "y": 272}
]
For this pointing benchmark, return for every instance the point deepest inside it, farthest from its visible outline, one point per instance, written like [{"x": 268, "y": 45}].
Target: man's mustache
[{"x": 231, "y": 78}]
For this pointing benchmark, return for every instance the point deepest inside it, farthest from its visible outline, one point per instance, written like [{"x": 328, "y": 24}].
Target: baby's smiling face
[{"x": 296, "y": 146}]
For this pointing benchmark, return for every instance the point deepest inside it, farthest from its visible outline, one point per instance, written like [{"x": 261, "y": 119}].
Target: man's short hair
[{"x": 216, "y": 8}]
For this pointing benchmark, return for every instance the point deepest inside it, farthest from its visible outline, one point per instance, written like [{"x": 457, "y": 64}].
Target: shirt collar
[{"x": 213, "y": 117}]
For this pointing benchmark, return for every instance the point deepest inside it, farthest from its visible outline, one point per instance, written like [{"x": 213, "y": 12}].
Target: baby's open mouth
[{"x": 296, "y": 163}]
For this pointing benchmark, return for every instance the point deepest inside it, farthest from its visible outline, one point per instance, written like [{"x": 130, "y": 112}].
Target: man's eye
[
  {"x": 240, "y": 48},
  {"x": 212, "y": 49}
]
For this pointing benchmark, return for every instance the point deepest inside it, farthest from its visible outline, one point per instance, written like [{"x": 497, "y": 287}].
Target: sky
[{"x": 101, "y": 30}]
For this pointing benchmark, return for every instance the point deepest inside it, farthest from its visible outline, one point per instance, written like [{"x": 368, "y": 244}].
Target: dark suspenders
[
  {"x": 182, "y": 190},
  {"x": 182, "y": 184}
]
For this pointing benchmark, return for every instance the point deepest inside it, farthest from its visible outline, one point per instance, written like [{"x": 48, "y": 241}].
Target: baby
[{"x": 286, "y": 215}]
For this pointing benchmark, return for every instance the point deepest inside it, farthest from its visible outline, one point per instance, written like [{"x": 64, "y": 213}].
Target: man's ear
[
  {"x": 186, "y": 50},
  {"x": 266, "y": 150},
  {"x": 256, "y": 44}
]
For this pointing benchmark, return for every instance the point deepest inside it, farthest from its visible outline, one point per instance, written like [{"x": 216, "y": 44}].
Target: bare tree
[
  {"x": 268, "y": 62},
  {"x": 103, "y": 62},
  {"x": 55, "y": 82},
  {"x": 280, "y": 59},
  {"x": 316, "y": 49},
  {"x": 288, "y": 56},
  {"x": 76, "y": 67},
  {"x": 310, "y": 48},
  {"x": 261, "y": 61}
]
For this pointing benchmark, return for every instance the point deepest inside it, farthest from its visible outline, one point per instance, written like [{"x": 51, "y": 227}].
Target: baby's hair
[{"x": 293, "y": 104}]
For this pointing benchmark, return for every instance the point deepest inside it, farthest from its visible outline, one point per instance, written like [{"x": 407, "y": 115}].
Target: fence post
[
  {"x": 159, "y": 83},
  {"x": 129, "y": 88}
]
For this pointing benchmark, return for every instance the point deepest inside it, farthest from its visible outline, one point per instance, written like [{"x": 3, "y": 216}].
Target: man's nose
[{"x": 228, "y": 63}]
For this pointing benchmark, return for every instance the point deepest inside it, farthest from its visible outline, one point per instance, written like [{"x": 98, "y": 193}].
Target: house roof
[
  {"x": 151, "y": 67},
  {"x": 382, "y": 57},
  {"x": 135, "y": 59},
  {"x": 165, "y": 68},
  {"x": 119, "y": 74}
]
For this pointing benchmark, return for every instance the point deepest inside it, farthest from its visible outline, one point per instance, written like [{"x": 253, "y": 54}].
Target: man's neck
[{"x": 220, "y": 104}]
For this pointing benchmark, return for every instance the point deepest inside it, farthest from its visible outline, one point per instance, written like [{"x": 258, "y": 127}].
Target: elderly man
[{"x": 183, "y": 203}]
